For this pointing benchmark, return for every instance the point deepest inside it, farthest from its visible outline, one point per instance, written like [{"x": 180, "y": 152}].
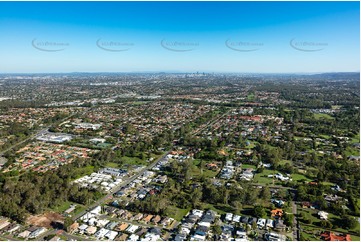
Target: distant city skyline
[{"x": 219, "y": 37}]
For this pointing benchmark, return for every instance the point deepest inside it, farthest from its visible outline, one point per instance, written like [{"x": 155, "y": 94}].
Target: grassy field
[
  {"x": 352, "y": 151},
  {"x": 245, "y": 166},
  {"x": 336, "y": 106},
  {"x": 177, "y": 213},
  {"x": 197, "y": 172},
  {"x": 283, "y": 162},
  {"x": 262, "y": 177},
  {"x": 328, "y": 183},
  {"x": 324, "y": 136},
  {"x": 85, "y": 171},
  {"x": 132, "y": 161},
  {"x": 250, "y": 97},
  {"x": 356, "y": 138},
  {"x": 217, "y": 209},
  {"x": 112, "y": 165},
  {"x": 136, "y": 103},
  {"x": 319, "y": 116},
  {"x": 298, "y": 177},
  {"x": 65, "y": 205}
]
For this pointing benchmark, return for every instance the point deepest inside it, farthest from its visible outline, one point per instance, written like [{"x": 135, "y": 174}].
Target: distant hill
[{"x": 338, "y": 75}]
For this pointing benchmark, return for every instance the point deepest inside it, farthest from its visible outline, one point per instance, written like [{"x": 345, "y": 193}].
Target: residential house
[
  {"x": 148, "y": 218},
  {"x": 236, "y": 218},
  {"x": 4, "y": 223},
  {"x": 133, "y": 237},
  {"x": 244, "y": 219},
  {"x": 101, "y": 233},
  {"x": 252, "y": 220},
  {"x": 229, "y": 217},
  {"x": 12, "y": 227},
  {"x": 323, "y": 215},
  {"x": 111, "y": 225},
  {"x": 37, "y": 232},
  {"x": 122, "y": 227},
  {"x": 274, "y": 237},
  {"x": 330, "y": 236},
  {"x": 73, "y": 228},
  {"x": 24, "y": 234},
  {"x": 132, "y": 228},
  {"x": 55, "y": 238},
  {"x": 261, "y": 223},
  {"x": 269, "y": 223},
  {"x": 277, "y": 213},
  {"x": 306, "y": 204},
  {"x": 82, "y": 228},
  {"x": 91, "y": 230},
  {"x": 180, "y": 237},
  {"x": 122, "y": 237},
  {"x": 141, "y": 232},
  {"x": 137, "y": 217},
  {"x": 156, "y": 219},
  {"x": 209, "y": 216},
  {"x": 111, "y": 235}
]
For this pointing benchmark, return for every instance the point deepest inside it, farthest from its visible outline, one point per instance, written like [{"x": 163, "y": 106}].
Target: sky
[{"x": 257, "y": 37}]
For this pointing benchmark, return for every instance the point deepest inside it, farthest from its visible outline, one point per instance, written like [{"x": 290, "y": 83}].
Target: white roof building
[
  {"x": 236, "y": 218},
  {"x": 323, "y": 215},
  {"x": 101, "y": 233},
  {"x": 111, "y": 235},
  {"x": 132, "y": 228},
  {"x": 229, "y": 217},
  {"x": 133, "y": 237},
  {"x": 261, "y": 222}
]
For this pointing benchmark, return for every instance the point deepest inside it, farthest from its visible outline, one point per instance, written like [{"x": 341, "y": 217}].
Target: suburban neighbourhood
[{"x": 145, "y": 163}]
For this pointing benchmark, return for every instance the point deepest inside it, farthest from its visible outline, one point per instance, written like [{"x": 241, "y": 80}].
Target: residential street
[{"x": 124, "y": 183}]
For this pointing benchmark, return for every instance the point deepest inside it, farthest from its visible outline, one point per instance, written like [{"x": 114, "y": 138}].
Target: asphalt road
[
  {"x": 296, "y": 229},
  {"x": 62, "y": 233}
]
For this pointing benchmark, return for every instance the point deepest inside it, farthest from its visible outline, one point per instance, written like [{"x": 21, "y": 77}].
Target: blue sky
[{"x": 270, "y": 37}]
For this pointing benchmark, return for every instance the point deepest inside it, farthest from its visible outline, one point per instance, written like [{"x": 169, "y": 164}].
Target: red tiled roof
[{"x": 330, "y": 236}]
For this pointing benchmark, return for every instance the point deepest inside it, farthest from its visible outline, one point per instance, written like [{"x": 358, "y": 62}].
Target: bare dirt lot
[{"x": 46, "y": 220}]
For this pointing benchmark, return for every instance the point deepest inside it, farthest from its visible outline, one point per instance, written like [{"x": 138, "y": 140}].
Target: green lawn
[
  {"x": 355, "y": 238},
  {"x": 309, "y": 236},
  {"x": 207, "y": 206},
  {"x": 132, "y": 161},
  {"x": 137, "y": 103},
  {"x": 336, "y": 106},
  {"x": 112, "y": 165},
  {"x": 283, "y": 162},
  {"x": 356, "y": 138},
  {"x": 319, "y": 116},
  {"x": 262, "y": 177},
  {"x": 65, "y": 205},
  {"x": 245, "y": 166},
  {"x": 325, "y": 136},
  {"x": 85, "y": 171},
  {"x": 298, "y": 177},
  {"x": 352, "y": 151},
  {"x": 177, "y": 213},
  {"x": 250, "y": 97},
  {"x": 328, "y": 183},
  {"x": 196, "y": 170}
]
